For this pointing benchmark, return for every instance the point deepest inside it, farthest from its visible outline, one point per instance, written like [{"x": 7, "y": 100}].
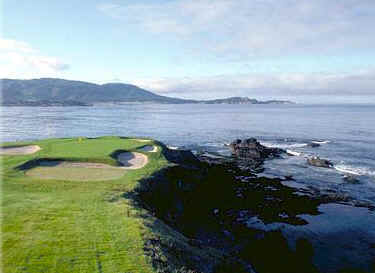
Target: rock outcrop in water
[
  {"x": 251, "y": 150},
  {"x": 313, "y": 145},
  {"x": 319, "y": 162},
  {"x": 350, "y": 178}
]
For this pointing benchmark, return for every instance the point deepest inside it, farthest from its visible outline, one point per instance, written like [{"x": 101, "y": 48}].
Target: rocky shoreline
[{"x": 211, "y": 200}]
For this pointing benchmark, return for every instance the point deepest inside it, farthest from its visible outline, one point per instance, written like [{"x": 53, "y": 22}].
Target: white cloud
[
  {"x": 291, "y": 84},
  {"x": 20, "y": 60},
  {"x": 244, "y": 30},
  {"x": 238, "y": 29},
  {"x": 13, "y": 45}
]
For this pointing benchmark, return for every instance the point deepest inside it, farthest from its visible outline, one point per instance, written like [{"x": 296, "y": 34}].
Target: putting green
[{"x": 86, "y": 171}]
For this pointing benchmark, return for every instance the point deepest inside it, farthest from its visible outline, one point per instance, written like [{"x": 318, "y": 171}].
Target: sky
[{"x": 304, "y": 50}]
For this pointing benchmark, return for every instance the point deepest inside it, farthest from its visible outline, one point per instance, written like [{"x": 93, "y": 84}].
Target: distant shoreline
[
  {"x": 45, "y": 103},
  {"x": 60, "y": 92},
  {"x": 232, "y": 101}
]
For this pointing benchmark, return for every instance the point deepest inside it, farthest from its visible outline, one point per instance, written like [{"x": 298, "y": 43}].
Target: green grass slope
[{"x": 70, "y": 226}]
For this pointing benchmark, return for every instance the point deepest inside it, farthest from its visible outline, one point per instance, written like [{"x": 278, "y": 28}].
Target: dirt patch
[
  {"x": 149, "y": 149},
  {"x": 19, "y": 150}
]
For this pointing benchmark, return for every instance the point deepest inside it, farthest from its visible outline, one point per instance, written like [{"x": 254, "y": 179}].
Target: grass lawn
[{"x": 74, "y": 226}]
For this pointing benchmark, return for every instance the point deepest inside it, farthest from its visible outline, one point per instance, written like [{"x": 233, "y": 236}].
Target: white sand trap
[
  {"x": 129, "y": 160},
  {"x": 132, "y": 161},
  {"x": 21, "y": 150},
  {"x": 75, "y": 171},
  {"x": 87, "y": 171},
  {"x": 89, "y": 165},
  {"x": 149, "y": 149},
  {"x": 140, "y": 139}
]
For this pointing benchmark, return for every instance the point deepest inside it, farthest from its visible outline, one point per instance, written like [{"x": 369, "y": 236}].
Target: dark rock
[
  {"x": 251, "y": 149},
  {"x": 182, "y": 157},
  {"x": 319, "y": 162},
  {"x": 249, "y": 154},
  {"x": 196, "y": 243},
  {"x": 351, "y": 179},
  {"x": 289, "y": 178},
  {"x": 313, "y": 145}
]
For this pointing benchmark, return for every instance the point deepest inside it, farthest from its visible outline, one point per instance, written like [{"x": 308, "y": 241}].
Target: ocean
[{"x": 346, "y": 133}]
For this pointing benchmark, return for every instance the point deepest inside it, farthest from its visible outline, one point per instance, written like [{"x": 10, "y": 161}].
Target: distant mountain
[
  {"x": 244, "y": 100},
  {"x": 59, "y": 92},
  {"x": 232, "y": 100},
  {"x": 47, "y": 90}
]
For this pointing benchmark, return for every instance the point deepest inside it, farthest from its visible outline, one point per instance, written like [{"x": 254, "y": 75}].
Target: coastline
[
  {"x": 254, "y": 218},
  {"x": 219, "y": 206}
]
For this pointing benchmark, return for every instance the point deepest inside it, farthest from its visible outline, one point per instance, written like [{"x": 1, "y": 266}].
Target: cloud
[
  {"x": 13, "y": 45},
  {"x": 20, "y": 60},
  {"x": 265, "y": 85},
  {"x": 239, "y": 29},
  {"x": 247, "y": 32}
]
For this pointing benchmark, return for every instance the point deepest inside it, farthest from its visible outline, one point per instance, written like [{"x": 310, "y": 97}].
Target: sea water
[{"x": 346, "y": 133}]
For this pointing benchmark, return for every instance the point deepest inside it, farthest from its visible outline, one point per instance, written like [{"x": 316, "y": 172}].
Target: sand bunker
[
  {"x": 149, "y": 149},
  {"x": 75, "y": 172},
  {"x": 19, "y": 150},
  {"x": 61, "y": 163},
  {"x": 132, "y": 160},
  {"x": 140, "y": 139},
  {"x": 87, "y": 171}
]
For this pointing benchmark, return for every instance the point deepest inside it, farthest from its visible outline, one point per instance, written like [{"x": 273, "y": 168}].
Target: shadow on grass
[
  {"x": 50, "y": 162},
  {"x": 14, "y": 146},
  {"x": 117, "y": 153}
]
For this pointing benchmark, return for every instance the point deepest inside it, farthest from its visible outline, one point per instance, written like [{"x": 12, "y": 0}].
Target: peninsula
[{"x": 60, "y": 92}]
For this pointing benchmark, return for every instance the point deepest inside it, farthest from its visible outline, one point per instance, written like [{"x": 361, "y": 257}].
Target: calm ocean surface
[{"x": 346, "y": 133}]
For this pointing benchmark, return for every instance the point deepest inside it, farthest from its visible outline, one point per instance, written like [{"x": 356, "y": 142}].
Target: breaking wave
[
  {"x": 290, "y": 152},
  {"x": 321, "y": 141},
  {"x": 354, "y": 170}
]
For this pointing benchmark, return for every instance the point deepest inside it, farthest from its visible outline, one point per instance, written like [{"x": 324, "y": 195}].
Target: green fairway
[{"x": 74, "y": 226}]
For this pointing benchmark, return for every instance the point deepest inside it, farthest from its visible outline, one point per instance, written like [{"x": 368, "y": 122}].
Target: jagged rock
[
  {"x": 313, "y": 145},
  {"x": 182, "y": 157},
  {"x": 288, "y": 178},
  {"x": 319, "y": 162},
  {"x": 196, "y": 243},
  {"x": 351, "y": 179},
  {"x": 251, "y": 149}
]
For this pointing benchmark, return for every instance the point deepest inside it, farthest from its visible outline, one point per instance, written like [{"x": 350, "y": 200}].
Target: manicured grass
[{"x": 74, "y": 226}]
